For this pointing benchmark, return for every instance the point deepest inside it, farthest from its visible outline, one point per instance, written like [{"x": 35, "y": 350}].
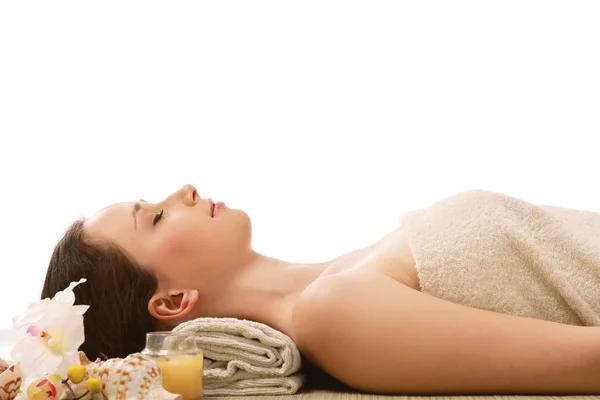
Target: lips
[{"x": 211, "y": 206}]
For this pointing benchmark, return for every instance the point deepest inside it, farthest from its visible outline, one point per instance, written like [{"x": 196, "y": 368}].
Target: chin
[
  {"x": 243, "y": 225},
  {"x": 238, "y": 214}
]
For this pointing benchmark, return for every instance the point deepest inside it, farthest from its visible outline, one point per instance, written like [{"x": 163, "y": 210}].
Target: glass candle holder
[{"x": 180, "y": 360}]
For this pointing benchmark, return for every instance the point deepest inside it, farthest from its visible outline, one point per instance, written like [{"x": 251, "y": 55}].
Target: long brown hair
[{"x": 117, "y": 290}]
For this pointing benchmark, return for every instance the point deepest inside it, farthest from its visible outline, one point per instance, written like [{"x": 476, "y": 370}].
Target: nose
[{"x": 189, "y": 194}]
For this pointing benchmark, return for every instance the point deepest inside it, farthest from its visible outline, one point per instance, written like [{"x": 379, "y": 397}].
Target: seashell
[
  {"x": 10, "y": 380},
  {"x": 83, "y": 359},
  {"x": 3, "y": 365},
  {"x": 134, "y": 377}
]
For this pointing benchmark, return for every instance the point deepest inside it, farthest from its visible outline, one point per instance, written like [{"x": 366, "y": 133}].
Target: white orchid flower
[{"x": 52, "y": 333}]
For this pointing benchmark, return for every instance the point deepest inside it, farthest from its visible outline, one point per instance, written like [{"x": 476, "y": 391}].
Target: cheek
[
  {"x": 170, "y": 258},
  {"x": 172, "y": 245},
  {"x": 180, "y": 241},
  {"x": 190, "y": 241}
]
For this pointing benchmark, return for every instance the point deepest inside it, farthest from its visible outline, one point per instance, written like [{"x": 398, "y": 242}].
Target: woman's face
[{"x": 179, "y": 239}]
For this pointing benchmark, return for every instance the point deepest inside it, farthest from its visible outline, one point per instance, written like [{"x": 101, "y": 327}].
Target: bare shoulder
[
  {"x": 374, "y": 334},
  {"x": 344, "y": 322},
  {"x": 336, "y": 299}
]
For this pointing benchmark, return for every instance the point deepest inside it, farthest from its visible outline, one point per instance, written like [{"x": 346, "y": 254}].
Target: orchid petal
[
  {"x": 25, "y": 347},
  {"x": 80, "y": 310},
  {"x": 34, "y": 356},
  {"x": 67, "y": 330},
  {"x": 54, "y": 334},
  {"x": 31, "y": 316},
  {"x": 74, "y": 334},
  {"x": 67, "y": 296},
  {"x": 8, "y": 339},
  {"x": 37, "y": 311},
  {"x": 68, "y": 359},
  {"x": 46, "y": 363}
]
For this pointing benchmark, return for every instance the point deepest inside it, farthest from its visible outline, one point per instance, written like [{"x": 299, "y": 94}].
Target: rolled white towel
[
  {"x": 245, "y": 357},
  {"x": 256, "y": 386}
]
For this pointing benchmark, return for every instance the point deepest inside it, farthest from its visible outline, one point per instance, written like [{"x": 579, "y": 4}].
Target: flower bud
[
  {"x": 76, "y": 373},
  {"x": 94, "y": 385}
]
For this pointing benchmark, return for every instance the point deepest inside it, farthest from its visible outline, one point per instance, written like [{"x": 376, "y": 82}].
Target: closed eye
[{"x": 157, "y": 218}]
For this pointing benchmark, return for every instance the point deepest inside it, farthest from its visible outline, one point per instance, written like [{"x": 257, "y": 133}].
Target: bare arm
[{"x": 377, "y": 335}]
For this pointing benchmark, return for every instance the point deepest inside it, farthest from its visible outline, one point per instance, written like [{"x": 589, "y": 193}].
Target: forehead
[{"x": 114, "y": 222}]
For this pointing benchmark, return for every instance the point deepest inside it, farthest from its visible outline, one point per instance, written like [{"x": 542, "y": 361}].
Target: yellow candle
[{"x": 182, "y": 374}]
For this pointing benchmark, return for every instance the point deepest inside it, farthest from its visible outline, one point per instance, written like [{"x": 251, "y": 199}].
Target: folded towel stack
[{"x": 245, "y": 358}]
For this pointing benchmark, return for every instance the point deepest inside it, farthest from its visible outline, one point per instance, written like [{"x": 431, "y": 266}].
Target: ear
[{"x": 172, "y": 305}]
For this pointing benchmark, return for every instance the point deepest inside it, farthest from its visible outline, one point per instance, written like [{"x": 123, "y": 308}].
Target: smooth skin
[
  {"x": 361, "y": 316},
  {"x": 377, "y": 335}
]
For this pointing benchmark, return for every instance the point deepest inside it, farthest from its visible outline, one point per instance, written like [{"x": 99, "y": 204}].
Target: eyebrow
[{"x": 136, "y": 208}]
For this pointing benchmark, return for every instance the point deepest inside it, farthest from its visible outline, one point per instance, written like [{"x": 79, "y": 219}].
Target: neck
[{"x": 264, "y": 290}]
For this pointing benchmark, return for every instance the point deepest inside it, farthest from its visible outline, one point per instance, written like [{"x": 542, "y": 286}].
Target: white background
[{"x": 323, "y": 120}]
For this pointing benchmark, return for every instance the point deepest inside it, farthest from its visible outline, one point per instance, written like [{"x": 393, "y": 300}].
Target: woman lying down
[{"x": 477, "y": 293}]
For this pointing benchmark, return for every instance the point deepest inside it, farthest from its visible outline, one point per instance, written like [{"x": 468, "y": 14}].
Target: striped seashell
[
  {"x": 10, "y": 380},
  {"x": 3, "y": 365},
  {"x": 133, "y": 377}
]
